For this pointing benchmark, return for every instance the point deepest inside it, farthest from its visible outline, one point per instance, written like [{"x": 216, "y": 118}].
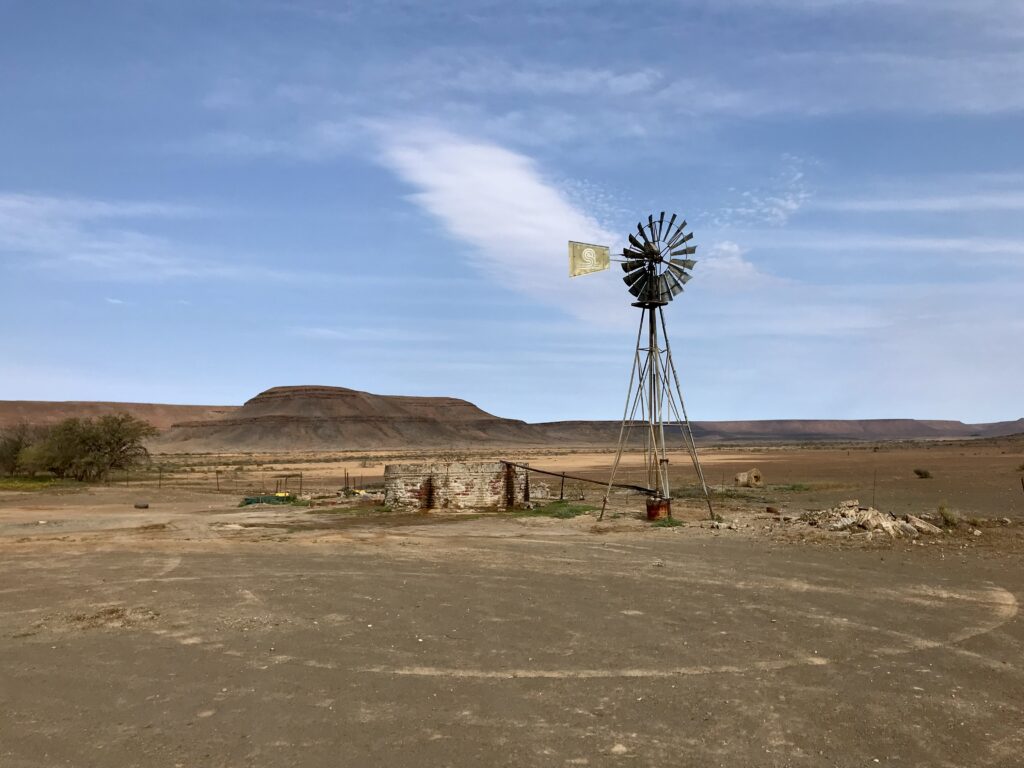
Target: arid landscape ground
[{"x": 198, "y": 632}]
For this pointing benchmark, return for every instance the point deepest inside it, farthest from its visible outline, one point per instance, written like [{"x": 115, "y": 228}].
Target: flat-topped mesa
[
  {"x": 338, "y": 418},
  {"x": 341, "y": 402}
]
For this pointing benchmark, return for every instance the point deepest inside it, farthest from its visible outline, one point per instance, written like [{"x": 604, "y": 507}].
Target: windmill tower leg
[
  {"x": 680, "y": 411},
  {"x": 634, "y": 402},
  {"x": 660, "y": 505}
]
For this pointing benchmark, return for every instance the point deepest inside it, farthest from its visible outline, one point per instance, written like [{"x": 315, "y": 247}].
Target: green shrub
[
  {"x": 792, "y": 487},
  {"x": 563, "y": 510},
  {"x": 950, "y": 518},
  {"x": 87, "y": 449},
  {"x": 924, "y": 474}
]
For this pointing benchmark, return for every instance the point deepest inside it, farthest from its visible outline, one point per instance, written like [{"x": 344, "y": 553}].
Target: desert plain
[{"x": 198, "y": 632}]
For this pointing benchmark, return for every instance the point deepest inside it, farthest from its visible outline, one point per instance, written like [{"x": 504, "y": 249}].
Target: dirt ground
[
  {"x": 975, "y": 478},
  {"x": 196, "y": 632}
]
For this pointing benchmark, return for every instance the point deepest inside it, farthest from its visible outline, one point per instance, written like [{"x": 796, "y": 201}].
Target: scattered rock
[
  {"x": 141, "y": 505},
  {"x": 975, "y": 532},
  {"x": 843, "y": 523},
  {"x": 772, "y": 510},
  {"x": 922, "y": 526},
  {"x": 907, "y": 529},
  {"x": 1004, "y": 520},
  {"x": 619, "y": 749},
  {"x": 749, "y": 479},
  {"x": 849, "y": 515}
]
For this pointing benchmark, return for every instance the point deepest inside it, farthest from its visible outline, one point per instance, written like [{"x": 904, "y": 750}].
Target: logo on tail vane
[{"x": 585, "y": 258}]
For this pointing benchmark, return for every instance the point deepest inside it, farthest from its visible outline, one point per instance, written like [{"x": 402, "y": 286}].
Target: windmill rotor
[{"x": 653, "y": 274}]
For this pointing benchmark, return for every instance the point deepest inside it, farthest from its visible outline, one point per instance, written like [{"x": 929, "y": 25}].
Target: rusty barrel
[{"x": 658, "y": 508}]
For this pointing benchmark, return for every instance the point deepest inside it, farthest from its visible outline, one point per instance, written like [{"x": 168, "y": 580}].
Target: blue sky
[{"x": 200, "y": 200}]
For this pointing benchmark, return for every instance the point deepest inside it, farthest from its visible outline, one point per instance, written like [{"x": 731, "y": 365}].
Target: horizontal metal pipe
[{"x": 528, "y": 468}]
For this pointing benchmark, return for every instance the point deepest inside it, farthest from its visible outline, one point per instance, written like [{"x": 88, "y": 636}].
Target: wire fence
[{"x": 244, "y": 482}]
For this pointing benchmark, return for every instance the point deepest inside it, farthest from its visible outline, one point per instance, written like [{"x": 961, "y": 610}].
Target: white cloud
[
  {"x": 356, "y": 334},
  {"x": 311, "y": 141},
  {"x": 87, "y": 238},
  {"x": 514, "y": 221},
  {"x": 880, "y": 245},
  {"x": 982, "y": 201},
  {"x": 725, "y": 266},
  {"x": 773, "y": 204},
  {"x": 474, "y": 73}
]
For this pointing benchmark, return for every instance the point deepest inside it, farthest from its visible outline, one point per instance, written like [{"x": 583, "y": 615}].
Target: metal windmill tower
[{"x": 657, "y": 264}]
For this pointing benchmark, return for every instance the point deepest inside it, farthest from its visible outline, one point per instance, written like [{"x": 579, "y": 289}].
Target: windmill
[{"x": 657, "y": 265}]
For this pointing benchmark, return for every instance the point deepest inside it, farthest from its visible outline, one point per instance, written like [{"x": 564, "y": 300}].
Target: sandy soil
[{"x": 199, "y": 633}]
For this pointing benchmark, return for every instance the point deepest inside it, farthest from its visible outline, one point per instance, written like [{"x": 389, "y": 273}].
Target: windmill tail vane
[{"x": 657, "y": 264}]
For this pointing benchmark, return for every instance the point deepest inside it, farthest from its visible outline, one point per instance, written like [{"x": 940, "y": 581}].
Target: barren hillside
[
  {"x": 314, "y": 417},
  {"x": 336, "y": 418},
  {"x": 40, "y": 412}
]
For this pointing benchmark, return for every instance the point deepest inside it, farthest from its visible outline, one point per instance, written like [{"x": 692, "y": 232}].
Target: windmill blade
[
  {"x": 670, "y": 223},
  {"x": 655, "y": 290},
  {"x": 650, "y": 226},
  {"x": 629, "y": 253},
  {"x": 629, "y": 266},
  {"x": 640, "y": 229},
  {"x": 680, "y": 274},
  {"x": 687, "y": 251},
  {"x": 633, "y": 278},
  {"x": 684, "y": 263},
  {"x": 677, "y": 240},
  {"x": 637, "y": 288},
  {"x": 664, "y": 292},
  {"x": 661, "y": 223},
  {"x": 675, "y": 285},
  {"x": 635, "y": 243},
  {"x": 676, "y": 235}
]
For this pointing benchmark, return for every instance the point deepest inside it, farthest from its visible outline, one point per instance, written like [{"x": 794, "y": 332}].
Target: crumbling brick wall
[{"x": 455, "y": 485}]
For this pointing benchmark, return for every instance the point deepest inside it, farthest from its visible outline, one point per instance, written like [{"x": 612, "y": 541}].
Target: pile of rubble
[{"x": 850, "y": 515}]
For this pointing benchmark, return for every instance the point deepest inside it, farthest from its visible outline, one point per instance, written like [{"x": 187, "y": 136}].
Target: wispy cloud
[
  {"x": 356, "y": 334},
  {"x": 317, "y": 140},
  {"x": 984, "y": 201},
  {"x": 726, "y": 267},
  {"x": 513, "y": 222},
  {"x": 772, "y": 204},
  {"x": 102, "y": 239},
  {"x": 478, "y": 72},
  {"x": 881, "y": 245}
]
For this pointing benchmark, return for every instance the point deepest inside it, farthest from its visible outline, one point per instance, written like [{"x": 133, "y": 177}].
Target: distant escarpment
[
  {"x": 316, "y": 418},
  {"x": 44, "y": 413}
]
